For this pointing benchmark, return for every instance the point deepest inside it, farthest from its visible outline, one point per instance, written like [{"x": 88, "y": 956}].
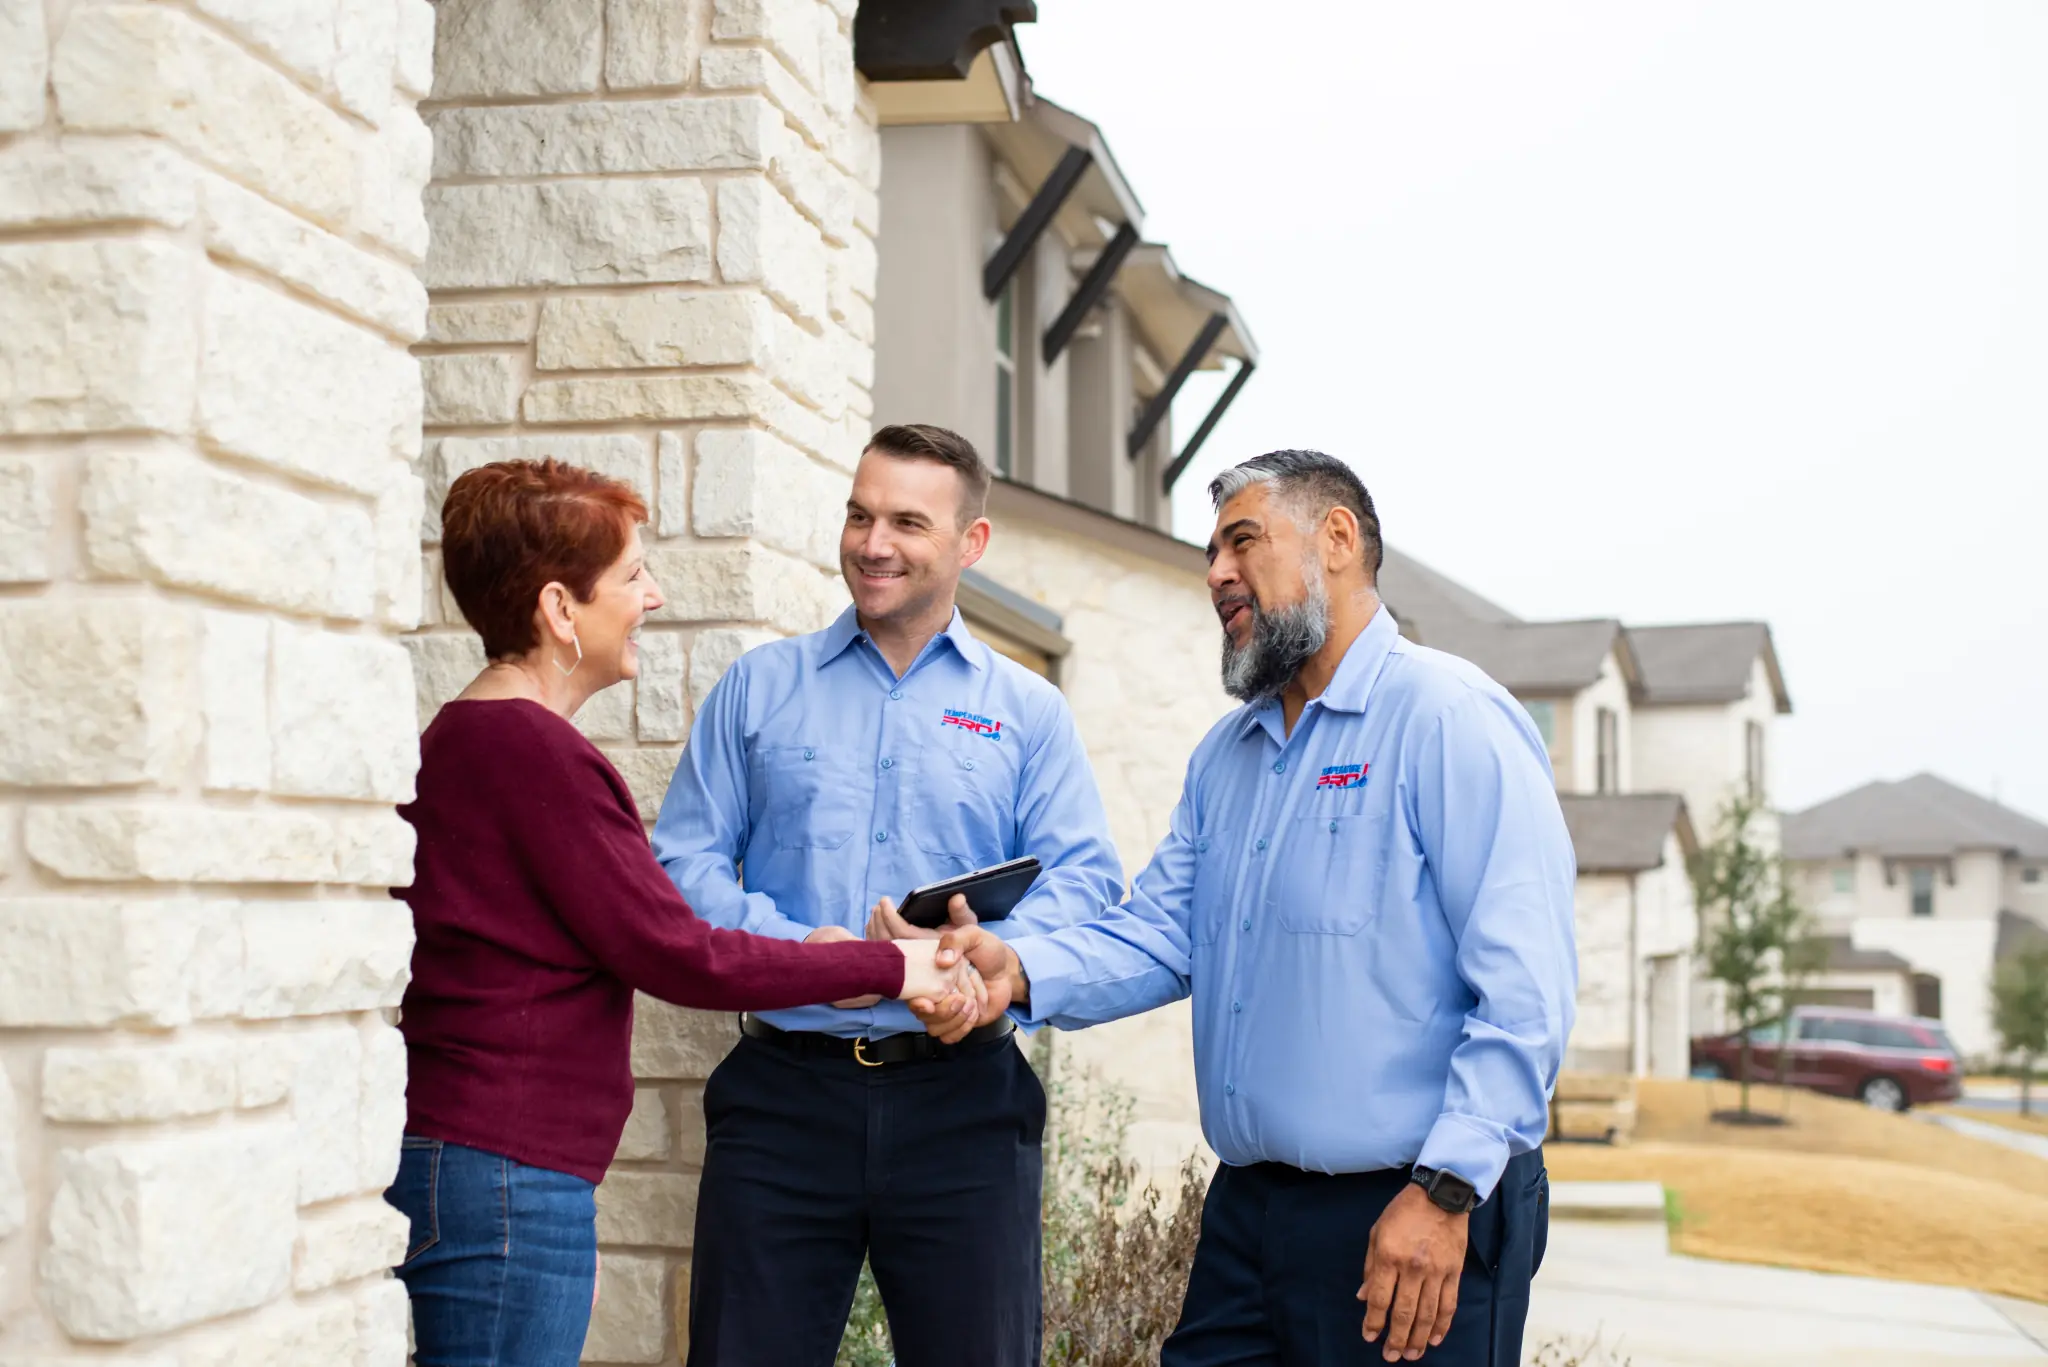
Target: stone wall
[
  {"x": 653, "y": 254},
  {"x": 209, "y": 228}
]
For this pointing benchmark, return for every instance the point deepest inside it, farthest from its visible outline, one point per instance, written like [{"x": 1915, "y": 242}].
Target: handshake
[{"x": 953, "y": 979}]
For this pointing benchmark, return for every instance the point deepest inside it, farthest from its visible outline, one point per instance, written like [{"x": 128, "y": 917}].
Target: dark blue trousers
[
  {"x": 1276, "y": 1278},
  {"x": 930, "y": 1169}
]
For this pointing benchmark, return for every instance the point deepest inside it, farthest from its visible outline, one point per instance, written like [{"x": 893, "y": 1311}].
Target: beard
[{"x": 1282, "y": 641}]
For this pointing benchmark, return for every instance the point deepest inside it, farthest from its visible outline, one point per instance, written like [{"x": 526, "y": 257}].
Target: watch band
[{"x": 1445, "y": 1189}]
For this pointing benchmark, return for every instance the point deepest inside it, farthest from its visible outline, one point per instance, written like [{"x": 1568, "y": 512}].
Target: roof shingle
[
  {"x": 1705, "y": 663},
  {"x": 1922, "y": 817},
  {"x": 1623, "y": 832}
]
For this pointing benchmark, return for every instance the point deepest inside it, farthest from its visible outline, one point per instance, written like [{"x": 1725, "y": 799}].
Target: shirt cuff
[
  {"x": 1465, "y": 1146},
  {"x": 1050, "y": 968},
  {"x": 782, "y": 928}
]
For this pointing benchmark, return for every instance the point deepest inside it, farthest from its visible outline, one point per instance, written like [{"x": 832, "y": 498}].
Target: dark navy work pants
[
  {"x": 1276, "y": 1277},
  {"x": 930, "y": 1169}
]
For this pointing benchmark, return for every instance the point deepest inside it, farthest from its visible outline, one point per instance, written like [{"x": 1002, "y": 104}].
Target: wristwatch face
[{"x": 1451, "y": 1191}]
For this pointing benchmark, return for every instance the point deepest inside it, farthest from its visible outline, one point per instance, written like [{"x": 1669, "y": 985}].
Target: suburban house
[{"x": 1920, "y": 887}]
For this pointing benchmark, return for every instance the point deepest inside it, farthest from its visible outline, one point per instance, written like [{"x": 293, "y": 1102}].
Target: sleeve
[
  {"x": 1060, "y": 821},
  {"x": 703, "y": 827},
  {"x": 1130, "y": 958},
  {"x": 589, "y": 858},
  {"x": 1485, "y": 810}
]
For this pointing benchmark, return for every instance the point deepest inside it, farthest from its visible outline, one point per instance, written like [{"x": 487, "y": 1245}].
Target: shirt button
[
  {"x": 810, "y": 754},
  {"x": 887, "y": 763},
  {"x": 881, "y": 836},
  {"x": 1236, "y": 1007},
  {"x": 1230, "y": 1089},
  {"x": 1333, "y": 828},
  {"x": 966, "y": 764},
  {"x": 1280, "y": 766},
  {"x": 895, "y": 693},
  {"x": 1201, "y": 847},
  {"x": 1245, "y": 924},
  {"x": 1262, "y": 842}
]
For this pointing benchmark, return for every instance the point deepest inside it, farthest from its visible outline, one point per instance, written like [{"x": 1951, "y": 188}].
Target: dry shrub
[{"x": 1565, "y": 1353}]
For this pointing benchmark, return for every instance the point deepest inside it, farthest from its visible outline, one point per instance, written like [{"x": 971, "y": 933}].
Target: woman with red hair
[{"x": 539, "y": 911}]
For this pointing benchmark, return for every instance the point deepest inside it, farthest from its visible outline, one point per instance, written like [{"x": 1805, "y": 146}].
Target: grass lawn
[{"x": 1842, "y": 1188}]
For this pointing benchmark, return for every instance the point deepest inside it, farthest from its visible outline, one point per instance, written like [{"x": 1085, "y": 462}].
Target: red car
[{"x": 1890, "y": 1062}]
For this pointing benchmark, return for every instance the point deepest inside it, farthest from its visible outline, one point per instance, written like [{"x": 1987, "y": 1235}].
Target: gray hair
[{"x": 1307, "y": 484}]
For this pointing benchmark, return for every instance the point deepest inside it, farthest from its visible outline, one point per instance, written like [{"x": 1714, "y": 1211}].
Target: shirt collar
[
  {"x": 1356, "y": 674},
  {"x": 834, "y": 640}
]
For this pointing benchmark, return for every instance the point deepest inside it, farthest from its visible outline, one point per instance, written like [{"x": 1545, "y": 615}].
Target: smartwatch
[{"x": 1446, "y": 1189}]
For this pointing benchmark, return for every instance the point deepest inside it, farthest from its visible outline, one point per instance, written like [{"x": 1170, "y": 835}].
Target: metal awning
[{"x": 1100, "y": 202}]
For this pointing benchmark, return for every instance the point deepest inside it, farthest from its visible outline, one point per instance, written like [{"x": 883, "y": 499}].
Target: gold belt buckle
[{"x": 862, "y": 1059}]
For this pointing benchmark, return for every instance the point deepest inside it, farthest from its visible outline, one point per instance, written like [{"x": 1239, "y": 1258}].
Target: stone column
[
  {"x": 653, "y": 255},
  {"x": 209, "y": 228}
]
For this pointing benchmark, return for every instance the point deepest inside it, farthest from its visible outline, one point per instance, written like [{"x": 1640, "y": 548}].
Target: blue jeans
[{"x": 502, "y": 1259}]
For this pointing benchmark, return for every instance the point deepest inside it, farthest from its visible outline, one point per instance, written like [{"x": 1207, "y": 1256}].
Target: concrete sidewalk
[
  {"x": 1613, "y": 1279},
  {"x": 2035, "y": 1144}
]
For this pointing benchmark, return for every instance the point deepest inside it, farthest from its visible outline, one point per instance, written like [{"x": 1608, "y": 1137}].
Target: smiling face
[
  {"x": 1266, "y": 580},
  {"x": 608, "y": 625},
  {"x": 903, "y": 546}
]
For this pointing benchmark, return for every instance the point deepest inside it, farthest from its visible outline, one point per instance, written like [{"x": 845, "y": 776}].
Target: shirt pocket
[
  {"x": 1329, "y": 879},
  {"x": 1210, "y": 906},
  {"x": 809, "y": 796},
  {"x": 963, "y": 802}
]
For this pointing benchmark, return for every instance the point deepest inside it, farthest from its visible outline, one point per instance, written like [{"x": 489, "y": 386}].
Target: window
[
  {"x": 1006, "y": 378},
  {"x": 1753, "y": 759},
  {"x": 1544, "y": 714},
  {"x": 2031, "y": 874},
  {"x": 1921, "y": 880},
  {"x": 1607, "y": 760},
  {"x": 1845, "y": 878}
]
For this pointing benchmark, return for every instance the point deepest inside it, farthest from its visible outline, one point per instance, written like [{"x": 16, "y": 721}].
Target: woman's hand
[{"x": 940, "y": 982}]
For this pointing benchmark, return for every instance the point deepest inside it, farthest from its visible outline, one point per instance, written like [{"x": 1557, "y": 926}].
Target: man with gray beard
[{"x": 1367, "y": 886}]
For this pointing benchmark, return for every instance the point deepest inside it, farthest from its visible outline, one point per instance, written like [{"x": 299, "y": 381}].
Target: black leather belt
[{"x": 904, "y": 1048}]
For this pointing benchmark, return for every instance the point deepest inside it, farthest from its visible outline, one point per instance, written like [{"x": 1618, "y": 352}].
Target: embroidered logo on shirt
[
  {"x": 967, "y": 721},
  {"x": 1342, "y": 776}
]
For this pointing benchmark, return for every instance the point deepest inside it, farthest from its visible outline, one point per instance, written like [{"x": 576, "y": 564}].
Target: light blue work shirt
[
  {"x": 1374, "y": 915},
  {"x": 833, "y": 783}
]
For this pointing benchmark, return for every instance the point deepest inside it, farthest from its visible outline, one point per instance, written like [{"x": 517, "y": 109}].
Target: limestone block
[
  {"x": 661, "y": 707},
  {"x": 470, "y": 389},
  {"x": 75, "y": 962},
  {"x": 676, "y": 1043},
  {"x": 24, "y": 64},
  {"x": 365, "y": 55},
  {"x": 707, "y": 133},
  {"x": 648, "y": 44},
  {"x": 654, "y": 329},
  {"x": 266, "y": 1063},
  {"x": 396, "y": 522},
  {"x": 127, "y": 1220},
  {"x": 672, "y": 482},
  {"x": 747, "y": 483},
  {"x": 154, "y": 69},
  {"x": 342, "y": 1243},
  {"x": 753, "y": 68},
  {"x": 859, "y": 265},
  {"x": 442, "y": 666},
  {"x": 326, "y": 1106},
  {"x": 517, "y": 47},
  {"x": 144, "y": 508},
  {"x": 492, "y": 320},
  {"x": 342, "y": 716},
  {"x": 679, "y": 398},
  {"x": 647, "y": 1209},
  {"x": 690, "y": 1137},
  {"x": 608, "y": 716},
  {"x": 763, "y": 239},
  {"x": 850, "y": 310},
  {"x": 392, "y": 169},
  {"x": 413, "y": 69},
  {"x": 234, "y": 703},
  {"x": 298, "y": 389},
  {"x": 250, "y": 229},
  {"x": 717, "y": 650},
  {"x": 95, "y": 691},
  {"x": 608, "y": 232},
  {"x": 170, "y": 843},
  {"x": 324, "y": 958},
  {"x": 115, "y": 1085},
  {"x": 631, "y": 1315},
  {"x": 381, "y": 1123},
  {"x": 27, "y": 521},
  {"x": 616, "y": 455},
  {"x": 383, "y": 1325},
  {"x": 95, "y": 180},
  {"x": 726, "y": 583},
  {"x": 300, "y": 34},
  {"x": 814, "y": 366},
  {"x": 13, "y": 1198},
  {"x": 646, "y": 1136},
  {"x": 320, "y": 1333},
  {"x": 648, "y": 770},
  {"x": 100, "y": 335},
  {"x": 796, "y": 32},
  {"x": 824, "y": 193}
]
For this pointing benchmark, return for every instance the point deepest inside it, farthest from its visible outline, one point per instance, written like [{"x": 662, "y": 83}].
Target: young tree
[
  {"x": 2019, "y": 1012},
  {"x": 1750, "y": 926}
]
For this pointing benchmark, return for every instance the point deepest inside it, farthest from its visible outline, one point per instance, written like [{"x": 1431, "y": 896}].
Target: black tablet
[{"x": 991, "y": 893}]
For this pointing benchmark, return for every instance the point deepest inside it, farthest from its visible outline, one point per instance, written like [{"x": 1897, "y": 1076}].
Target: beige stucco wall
[
  {"x": 1142, "y": 681},
  {"x": 1697, "y": 751},
  {"x": 1575, "y": 750},
  {"x": 1602, "y": 906},
  {"x": 1958, "y": 952},
  {"x": 209, "y": 227}
]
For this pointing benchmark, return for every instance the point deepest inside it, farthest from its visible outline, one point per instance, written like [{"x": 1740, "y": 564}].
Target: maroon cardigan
[{"x": 539, "y": 910}]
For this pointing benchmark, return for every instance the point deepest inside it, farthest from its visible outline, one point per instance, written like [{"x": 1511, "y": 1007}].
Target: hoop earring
[{"x": 576, "y": 641}]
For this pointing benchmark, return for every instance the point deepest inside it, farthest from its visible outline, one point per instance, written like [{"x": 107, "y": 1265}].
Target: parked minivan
[{"x": 1890, "y": 1062}]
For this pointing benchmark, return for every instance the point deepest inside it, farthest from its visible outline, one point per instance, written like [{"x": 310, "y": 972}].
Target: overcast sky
[{"x": 1664, "y": 311}]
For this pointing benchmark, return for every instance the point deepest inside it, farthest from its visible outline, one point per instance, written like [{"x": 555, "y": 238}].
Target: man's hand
[
  {"x": 884, "y": 923},
  {"x": 825, "y": 935},
  {"x": 1001, "y": 972},
  {"x": 1412, "y": 1264}
]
